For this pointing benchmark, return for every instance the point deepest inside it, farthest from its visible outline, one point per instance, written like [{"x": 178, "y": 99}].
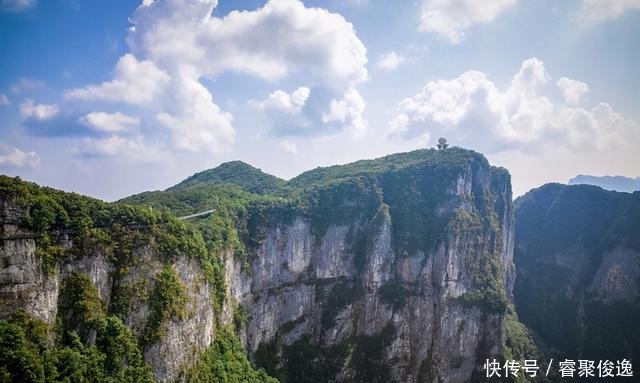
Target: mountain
[
  {"x": 615, "y": 183},
  {"x": 577, "y": 257},
  {"x": 235, "y": 173},
  {"x": 395, "y": 269}
]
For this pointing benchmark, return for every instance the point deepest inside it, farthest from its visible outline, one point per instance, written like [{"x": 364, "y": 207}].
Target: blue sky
[{"x": 114, "y": 98}]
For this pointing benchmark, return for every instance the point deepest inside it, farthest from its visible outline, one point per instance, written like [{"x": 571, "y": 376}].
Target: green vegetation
[
  {"x": 225, "y": 361},
  {"x": 267, "y": 357},
  {"x": 91, "y": 345},
  {"x": 235, "y": 173},
  {"x": 367, "y": 359},
  {"x": 240, "y": 317},
  {"x": 303, "y": 361},
  {"x": 519, "y": 341},
  {"x": 483, "y": 263},
  {"x": 123, "y": 359},
  {"x": 168, "y": 300},
  {"x": 79, "y": 306},
  {"x": 393, "y": 294},
  {"x": 306, "y": 362},
  {"x": 415, "y": 192},
  {"x": 406, "y": 189},
  {"x": 27, "y": 354}
]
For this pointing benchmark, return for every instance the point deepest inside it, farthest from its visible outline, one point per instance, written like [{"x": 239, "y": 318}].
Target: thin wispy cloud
[
  {"x": 598, "y": 11},
  {"x": 16, "y": 5},
  {"x": 450, "y": 19}
]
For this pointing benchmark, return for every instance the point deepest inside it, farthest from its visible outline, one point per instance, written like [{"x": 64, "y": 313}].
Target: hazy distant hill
[
  {"x": 617, "y": 183},
  {"x": 577, "y": 256}
]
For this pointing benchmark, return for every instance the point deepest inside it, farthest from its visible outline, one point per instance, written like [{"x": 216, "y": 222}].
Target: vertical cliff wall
[
  {"x": 75, "y": 280},
  {"x": 399, "y": 273},
  {"x": 395, "y": 269}
]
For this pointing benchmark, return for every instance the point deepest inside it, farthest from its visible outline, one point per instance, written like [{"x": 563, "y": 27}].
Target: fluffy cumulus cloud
[
  {"x": 472, "y": 111},
  {"x": 281, "y": 37},
  {"x": 597, "y": 11},
  {"x": 195, "y": 122},
  {"x": 134, "y": 82},
  {"x": 16, "y": 158},
  {"x": 449, "y": 19},
  {"x": 39, "y": 112},
  {"x": 347, "y": 112},
  {"x": 4, "y": 100},
  {"x": 389, "y": 61},
  {"x": 283, "y": 102},
  {"x": 108, "y": 122},
  {"x": 16, "y": 5},
  {"x": 307, "y": 112},
  {"x": 572, "y": 90},
  {"x": 174, "y": 44}
]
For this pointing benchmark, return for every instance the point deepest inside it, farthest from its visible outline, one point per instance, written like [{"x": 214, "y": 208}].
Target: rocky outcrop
[
  {"x": 420, "y": 298},
  {"x": 25, "y": 283}
]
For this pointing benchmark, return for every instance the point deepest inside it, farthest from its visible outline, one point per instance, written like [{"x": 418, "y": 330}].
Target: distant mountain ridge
[
  {"x": 577, "y": 256},
  {"x": 615, "y": 183}
]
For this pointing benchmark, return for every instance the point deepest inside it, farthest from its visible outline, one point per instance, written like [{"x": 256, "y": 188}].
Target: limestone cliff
[
  {"x": 395, "y": 269},
  {"x": 401, "y": 279}
]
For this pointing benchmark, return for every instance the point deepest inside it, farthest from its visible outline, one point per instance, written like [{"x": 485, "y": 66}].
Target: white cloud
[
  {"x": 108, "y": 122},
  {"x": 309, "y": 112},
  {"x": 14, "y": 157},
  {"x": 473, "y": 112},
  {"x": 16, "y": 5},
  {"x": 289, "y": 147},
  {"x": 134, "y": 148},
  {"x": 196, "y": 123},
  {"x": 597, "y": 11},
  {"x": 389, "y": 61},
  {"x": 134, "y": 82},
  {"x": 4, "y": 100},
  {"x": 280, "y": 38},
  {"x": 449, "y": 19},
  {"x": 25, "y": 85},
  {"x": 281, "y": 101},
  {"x": 348, "y": 113},
  {"x": 572, "y": 90},
  {"x": 175, "y": 43},
  {"x": 40, "y": 112},
  {"x": 286, "y": 111}
]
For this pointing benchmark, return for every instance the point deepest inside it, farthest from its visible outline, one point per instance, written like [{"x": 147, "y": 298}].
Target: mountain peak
[{"x": 236, "y": 173}]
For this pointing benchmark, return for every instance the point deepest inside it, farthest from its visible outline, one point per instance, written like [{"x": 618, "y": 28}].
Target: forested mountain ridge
[{"x": 394, "y": 269}]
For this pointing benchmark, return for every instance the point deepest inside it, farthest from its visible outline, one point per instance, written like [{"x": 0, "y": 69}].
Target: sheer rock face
[
  {"x": 435, "y": 336},
  {"x": 341, "y": 283},
  {"x": 25, "y": 284}
]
